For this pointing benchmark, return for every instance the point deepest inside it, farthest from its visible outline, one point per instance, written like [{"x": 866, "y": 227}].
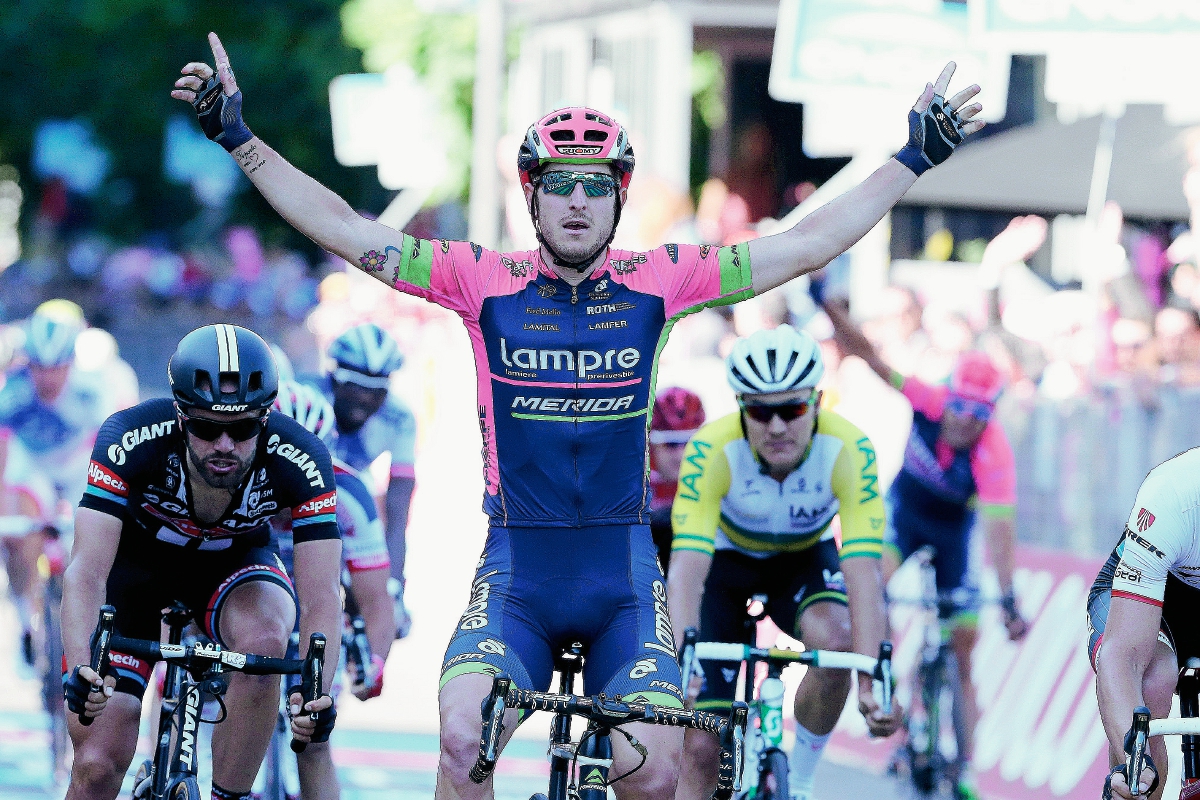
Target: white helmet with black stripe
[
  {"x": 778, "y": 360},
  {"x": 308, "y": 406},
  {"x": 365, "y": 355}
]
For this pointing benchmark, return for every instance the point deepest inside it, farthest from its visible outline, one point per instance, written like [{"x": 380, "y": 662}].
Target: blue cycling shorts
[
  {"x": 954, "y": 571},
  {"x": 537, "y": 590}
]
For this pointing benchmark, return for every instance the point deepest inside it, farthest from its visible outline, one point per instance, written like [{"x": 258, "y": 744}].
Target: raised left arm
[{"x": 936, "y": 127}]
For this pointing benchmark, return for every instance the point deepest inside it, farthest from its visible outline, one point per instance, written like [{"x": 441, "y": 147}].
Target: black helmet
[{"x": 213, "y": 352}]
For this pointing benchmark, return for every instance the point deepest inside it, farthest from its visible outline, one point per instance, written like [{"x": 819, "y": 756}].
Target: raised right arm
[{"x": 307, "y": 205}]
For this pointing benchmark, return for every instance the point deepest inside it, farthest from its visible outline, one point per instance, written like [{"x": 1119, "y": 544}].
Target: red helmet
[
  {"x": 976, "y": 377},
  {"x": 576, "y": 135},
  {"x": 678, "y": 414}
]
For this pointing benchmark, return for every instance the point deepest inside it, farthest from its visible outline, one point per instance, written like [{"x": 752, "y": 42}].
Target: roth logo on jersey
[
  {"x": 582, "y": 362},
  {"x": 100, "y": 477},
  {"x": 325, "y": 504},
  {"x": 1145, "y": 520},
  {"x": 298, "y": 457}
]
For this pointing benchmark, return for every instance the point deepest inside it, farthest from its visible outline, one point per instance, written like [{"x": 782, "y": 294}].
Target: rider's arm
[
  {"x": 401, "y": 483},
  {"x": 853, "y": 343},
  {"x": 994, "y": 467},
  {"x": 318, "y": 567},
  {"x": 370, "y": 590},
  {"x": 97, "y": 535},
  {"x": 832, "y": 229},
  {"x": 703, "y": 481},
  {"x": 1156, "y": 533},
  {"x": 855, "y": 482}
]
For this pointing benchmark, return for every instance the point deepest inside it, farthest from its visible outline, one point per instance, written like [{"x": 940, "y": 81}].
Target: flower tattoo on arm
[{"x": 375, "y": 260}]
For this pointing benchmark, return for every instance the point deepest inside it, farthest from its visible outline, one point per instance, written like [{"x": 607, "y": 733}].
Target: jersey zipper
[{"x": 574, "y": 295}]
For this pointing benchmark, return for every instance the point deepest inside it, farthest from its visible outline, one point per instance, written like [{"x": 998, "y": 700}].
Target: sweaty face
[
  {"x": 221, "y": 463},
  {"x": 779, "y": 444},
  {"x": 48, "y": 382},
  {"x": 353, "y": 405},
  {"x": 574, "y": 225}
]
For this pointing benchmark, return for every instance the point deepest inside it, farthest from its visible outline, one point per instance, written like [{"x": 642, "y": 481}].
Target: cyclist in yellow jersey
[{"x": 753, "y": 515}]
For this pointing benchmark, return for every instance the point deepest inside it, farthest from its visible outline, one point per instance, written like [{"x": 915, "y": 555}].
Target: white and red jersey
[{"x": 1162, "y": 535}]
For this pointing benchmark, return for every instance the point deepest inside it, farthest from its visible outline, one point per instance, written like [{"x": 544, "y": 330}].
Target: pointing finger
[
  {"x": 224, "y": 71},
  {"x": 943, "y": 81}
]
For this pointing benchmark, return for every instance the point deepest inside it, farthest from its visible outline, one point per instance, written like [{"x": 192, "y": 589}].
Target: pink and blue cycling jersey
[
  {"x": 939, "y": 486},
  {"x": 565, "y": 374}
]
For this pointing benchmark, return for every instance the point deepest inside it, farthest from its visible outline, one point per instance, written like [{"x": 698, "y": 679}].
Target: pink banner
[{"x": 1039, "y": 732}]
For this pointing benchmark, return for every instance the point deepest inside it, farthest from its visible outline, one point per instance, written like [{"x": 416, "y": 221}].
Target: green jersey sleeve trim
[
  {"x": 735, "y": 268},
  {"x": 416, "y": 262}
]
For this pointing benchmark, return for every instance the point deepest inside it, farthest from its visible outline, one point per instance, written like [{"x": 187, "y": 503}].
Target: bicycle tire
[
  {"x": 141, "y": 781},
  {"x": 186, "y": 789},
  {"x": 52, "y": 698},
  {"x": 773, "y": 776}
]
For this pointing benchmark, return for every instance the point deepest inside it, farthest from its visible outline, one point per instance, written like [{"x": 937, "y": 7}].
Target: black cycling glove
[
  {"x": 221, "y": 116},
  {"x": 1119, "y": 769},
  {"x": 932, "y": 136},
  {"x": 76, "y": 691},
  {"x": 325, "y": 722}
]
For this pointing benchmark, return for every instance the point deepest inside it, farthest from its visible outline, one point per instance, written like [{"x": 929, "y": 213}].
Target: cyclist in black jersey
[{"x": 177, "y": 505}]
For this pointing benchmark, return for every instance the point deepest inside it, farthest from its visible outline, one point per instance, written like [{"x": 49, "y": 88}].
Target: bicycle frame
[{"x": 179, "y": 711}]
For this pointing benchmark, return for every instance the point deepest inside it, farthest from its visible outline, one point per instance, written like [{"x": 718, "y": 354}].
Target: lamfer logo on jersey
[
  {"x": 101, "y": 478},
  {"x": 582, "y": 362},
  {"x": 1144, "y": 520},
  {"x": 298, "y": 457},
  {"x": 325, "y": 504}
]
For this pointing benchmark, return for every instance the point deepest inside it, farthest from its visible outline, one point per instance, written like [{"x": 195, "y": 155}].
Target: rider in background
[
  {"x": 49, "y": 416},
  {"x": 754, "y": 515},
  {"x": 957, "y": 461},
  {"x": 677, "y": 415},
  {"x": 365, "y": 556},
  {"x": 371, "y": 421}
]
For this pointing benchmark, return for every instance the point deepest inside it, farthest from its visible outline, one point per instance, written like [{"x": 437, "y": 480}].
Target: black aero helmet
[{"x": 207, "y": 355}]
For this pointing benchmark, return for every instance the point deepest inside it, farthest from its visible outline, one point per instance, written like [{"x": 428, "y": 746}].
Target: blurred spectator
[{"x": 1177, "y": 338}]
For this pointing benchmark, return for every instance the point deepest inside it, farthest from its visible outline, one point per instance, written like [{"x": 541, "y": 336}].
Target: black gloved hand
[
  {"x": 932, "y": 136},
  {"x": 220, "y": 115}
]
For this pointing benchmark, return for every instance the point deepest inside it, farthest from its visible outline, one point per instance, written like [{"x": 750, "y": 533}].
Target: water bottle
[{"x": 770, "y": 696}]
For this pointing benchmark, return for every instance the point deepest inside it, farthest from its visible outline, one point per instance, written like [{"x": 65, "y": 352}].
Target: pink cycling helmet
[
  {"x": 576, "y": 135},
  {"x": 677, "y": 415},
  {"x": 976, "y": 377}
]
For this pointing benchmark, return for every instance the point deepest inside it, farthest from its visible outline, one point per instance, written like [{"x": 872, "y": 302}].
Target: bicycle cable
[{"x": 637, "y": 746}]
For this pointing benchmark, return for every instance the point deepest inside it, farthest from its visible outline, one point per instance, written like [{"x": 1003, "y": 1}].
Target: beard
[{"x": 219, "y": 480}]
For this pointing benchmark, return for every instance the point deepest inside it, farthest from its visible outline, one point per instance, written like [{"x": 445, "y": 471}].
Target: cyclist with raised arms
[
  {"x": 49, "y": 416},
  {"x": 957, "y": 462},
  {"x": 179, "y": 496},
  {"x": 371, "y": 421},
  {"x": 754, "y": 515},
  {"x": 365, "y": 556},
  {"x": 1142, "y": 616},
  {"x": 565, "y": 340},
  {"x": 676, "y": 417}
]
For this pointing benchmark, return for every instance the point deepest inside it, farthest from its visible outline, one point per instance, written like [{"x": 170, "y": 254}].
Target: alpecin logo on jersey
[
  {"x": 325, "y": 504},
  {"x": 1144, "y": 520},
  {"x": 101, "y": 478}
]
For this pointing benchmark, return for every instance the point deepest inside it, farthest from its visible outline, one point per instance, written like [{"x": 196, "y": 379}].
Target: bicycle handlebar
[
  {"x": 610, "y": 713},
  {"x": 880, "y": 669},
  {"x": 205, "y": 654},
  {"x": 1135, "y": 748}
]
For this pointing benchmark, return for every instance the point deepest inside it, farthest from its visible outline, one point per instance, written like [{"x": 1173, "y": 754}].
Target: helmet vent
[
  {"x": 595, "y": 136},
  {"x": 560, "y": 118},
  {"x": 757, "y": 373},
  {"x": 255, "y": 383},
  {"x": 565, "y": 136},
  {"x": 203, "y": 384},
  {"x": 772, "y": 356},
  {"x": 807, "y": 370}
]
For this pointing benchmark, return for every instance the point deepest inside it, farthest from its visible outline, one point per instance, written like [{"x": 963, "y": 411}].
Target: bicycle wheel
[
  {"x": 141, "y": 781},
  {"x": 773, "y": 776},
  {"x": 186, "y": 789}
]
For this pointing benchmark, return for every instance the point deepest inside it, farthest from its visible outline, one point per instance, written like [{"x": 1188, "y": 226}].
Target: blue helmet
[
  {"x": 366, "y": 355},
  {"x": 51, "y": 332}
]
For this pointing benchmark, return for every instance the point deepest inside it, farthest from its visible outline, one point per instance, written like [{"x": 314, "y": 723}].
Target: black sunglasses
[
  {"x": 762, "y": 412},
  {"x": 208, "y": 430}
]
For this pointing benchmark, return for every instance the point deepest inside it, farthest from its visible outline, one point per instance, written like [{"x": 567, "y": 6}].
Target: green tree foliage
[
  {"x": 440, "y": 48},
  {"x": 114, "y": 62}
]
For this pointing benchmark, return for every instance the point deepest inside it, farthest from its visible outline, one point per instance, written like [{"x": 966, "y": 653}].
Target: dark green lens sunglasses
[{"x": 595, "y": 184}]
